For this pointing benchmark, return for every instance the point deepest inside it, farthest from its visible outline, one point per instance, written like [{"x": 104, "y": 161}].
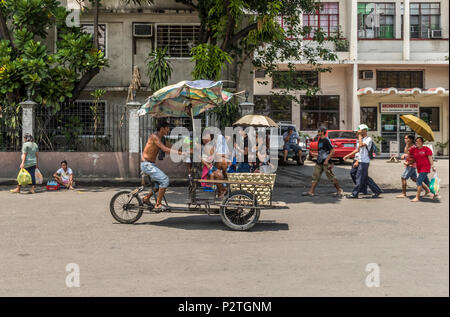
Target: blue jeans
[
  {"x": 158, "y": 176},
  {"x": 32, "y": 171},
  {"x": 409, "y": 172},
  {"x": 363, "y": 180},
  {"x": 292, "y": 146},
  {"x": 423, "y": 178}
]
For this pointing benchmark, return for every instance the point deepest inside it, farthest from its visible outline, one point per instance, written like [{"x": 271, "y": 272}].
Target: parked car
[
  {"x": 282, "y": 128},
  {"x": 343, "y": 141}
]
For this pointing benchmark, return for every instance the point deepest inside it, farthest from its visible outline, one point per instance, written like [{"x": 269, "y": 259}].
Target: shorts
[
  {"x": 292, "y": 146},
  {"x": 409, "y": 172},
  {"x": 319, "y": 169},
  {"x": 155, "y": 174},
  {"x": 212, "y": 170},
  {"x": 423, "y": 178}
]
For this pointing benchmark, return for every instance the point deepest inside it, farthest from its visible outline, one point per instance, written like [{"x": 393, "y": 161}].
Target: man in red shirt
[{"x": 424, "y": 161}]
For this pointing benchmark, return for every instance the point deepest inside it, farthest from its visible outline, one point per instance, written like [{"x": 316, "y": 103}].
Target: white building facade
[{"x": 396, "y": 63}]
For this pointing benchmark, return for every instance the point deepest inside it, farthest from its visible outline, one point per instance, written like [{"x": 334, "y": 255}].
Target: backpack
[{"x": 373, "y": 150}]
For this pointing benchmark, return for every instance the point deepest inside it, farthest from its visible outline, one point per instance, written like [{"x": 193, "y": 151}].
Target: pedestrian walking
[
  {"x": 30, "y": 156},
  {"x": 410, "y": 167},
  {"x": 424, "y": 161},
  {"x": 325, "y": 153},
  {"x": 365, "y": 143}
]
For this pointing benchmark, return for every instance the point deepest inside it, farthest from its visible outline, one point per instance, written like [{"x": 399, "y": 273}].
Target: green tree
[
  {"x": 26, "y": 63},
  {"x": 159, "y": 69}
]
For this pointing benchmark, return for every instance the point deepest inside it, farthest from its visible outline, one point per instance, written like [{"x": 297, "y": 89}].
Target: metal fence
[
  {"x": 82, "y": 126},
  {"x": 10, "y": 128}
]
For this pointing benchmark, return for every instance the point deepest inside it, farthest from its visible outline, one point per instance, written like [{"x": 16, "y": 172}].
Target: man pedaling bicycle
[{"x": 148, "y": 166}]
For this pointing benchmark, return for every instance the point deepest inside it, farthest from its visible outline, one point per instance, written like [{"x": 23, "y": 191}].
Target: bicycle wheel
[
  {"x": 238, "y": 211},
  {"x": 125, "y": 207}
]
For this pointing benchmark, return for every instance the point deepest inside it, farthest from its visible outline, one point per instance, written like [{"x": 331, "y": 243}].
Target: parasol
[
  {"x": 255, "y": 120},
  {"x": 419, "y": 126}
]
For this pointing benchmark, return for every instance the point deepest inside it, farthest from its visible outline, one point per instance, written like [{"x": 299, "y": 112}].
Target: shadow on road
[{"x": 204, "y": 222}]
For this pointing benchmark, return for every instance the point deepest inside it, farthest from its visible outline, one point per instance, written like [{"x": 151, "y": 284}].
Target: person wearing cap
[
  {"x": 148, "y": 166},
  {"x": 354, "y": 171},
  {"x": 290, "y": 139},
  {"x": 362, "y": 174},
  {"x": 30, "y": 156}
]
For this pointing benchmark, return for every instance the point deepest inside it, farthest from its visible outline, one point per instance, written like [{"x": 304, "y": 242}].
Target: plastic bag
[
  {"x": 434, "y": 184},
  {"x": 39, "y": 179},
  {"x": 24, "y": 178}
]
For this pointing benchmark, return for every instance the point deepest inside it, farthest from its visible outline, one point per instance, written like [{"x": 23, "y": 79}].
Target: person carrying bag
[{"x": 29, "y": 163}]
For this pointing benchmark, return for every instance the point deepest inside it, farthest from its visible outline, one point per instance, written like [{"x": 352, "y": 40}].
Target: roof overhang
[{"x": 438, "y": 91}]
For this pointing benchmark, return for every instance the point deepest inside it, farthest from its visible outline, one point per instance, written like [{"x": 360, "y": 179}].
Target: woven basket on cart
[{"x": 262, "y": 192}]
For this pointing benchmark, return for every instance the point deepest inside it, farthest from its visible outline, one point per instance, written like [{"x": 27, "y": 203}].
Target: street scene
[{"x": 209, "y": 148}]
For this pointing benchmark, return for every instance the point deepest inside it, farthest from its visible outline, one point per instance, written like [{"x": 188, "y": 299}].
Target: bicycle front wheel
[{"x": 126, "y": 207}]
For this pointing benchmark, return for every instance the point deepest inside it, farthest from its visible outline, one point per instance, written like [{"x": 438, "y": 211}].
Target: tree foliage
[
  {"x": 251, "y": 30},
  {"x": 159, "y": 69},
  {"x": 26, "y": 62}
]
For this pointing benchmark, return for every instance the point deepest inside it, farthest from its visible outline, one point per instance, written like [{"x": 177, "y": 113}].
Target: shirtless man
[{"x": 148, "y": 166}]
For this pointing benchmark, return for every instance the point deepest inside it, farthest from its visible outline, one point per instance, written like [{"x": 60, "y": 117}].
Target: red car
[{"x": 343, "y": 141}]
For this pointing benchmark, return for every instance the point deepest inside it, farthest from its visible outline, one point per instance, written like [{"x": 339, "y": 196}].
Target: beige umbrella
[{"x": 255, "y": 120}]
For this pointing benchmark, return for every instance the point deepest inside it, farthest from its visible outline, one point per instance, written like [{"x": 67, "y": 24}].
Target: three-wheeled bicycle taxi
[{"x": 239, "y": 209}]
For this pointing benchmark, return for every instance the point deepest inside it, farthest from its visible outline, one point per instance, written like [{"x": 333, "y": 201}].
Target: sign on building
[
  {"x": 399, "y": 107},
  {"x": 393, "y": 150}
]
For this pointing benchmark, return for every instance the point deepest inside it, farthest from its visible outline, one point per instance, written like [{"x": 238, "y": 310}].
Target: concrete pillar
[
  {"x": 353, "y": 41},
  {"x": 133, "y": 139},
  {"x": 28, "y": 117},
  {"x": 398, "y": 20},
  {"x": 356, "y": 116},
  {"x": 406, "y": 31}
]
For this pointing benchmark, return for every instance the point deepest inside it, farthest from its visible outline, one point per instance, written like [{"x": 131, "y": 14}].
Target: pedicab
[{"x": 246, "y": 195}]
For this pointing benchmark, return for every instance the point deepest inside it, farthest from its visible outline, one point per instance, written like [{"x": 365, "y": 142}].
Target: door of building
[{"x": 393, "y": 129}]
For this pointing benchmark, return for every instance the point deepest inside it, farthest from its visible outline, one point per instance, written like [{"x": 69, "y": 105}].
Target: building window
[
  {"x": 399, "y": 79},
  {"x": 295, "y": 80},
  {"x": 179, "y": 39},
  {"x": 425, "y": 18},
  {"x": 376, "y": 20},
  {"x": 327, "y": 19},
  {"x": 89, "y": 29},
  {"x": 277, "y": 107},
  {"x": 316, "y": 111},
  {"x": 431, "y": 116},
  {"x": 369, "y": 116}
]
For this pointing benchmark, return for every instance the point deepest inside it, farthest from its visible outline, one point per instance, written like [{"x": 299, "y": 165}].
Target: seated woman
[
  {"x": 209, "y": 170},
  {"x": 64, "y": 176}
]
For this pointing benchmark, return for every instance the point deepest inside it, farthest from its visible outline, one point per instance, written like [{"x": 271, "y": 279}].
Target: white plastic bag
[{"x": 39, "y": 179}]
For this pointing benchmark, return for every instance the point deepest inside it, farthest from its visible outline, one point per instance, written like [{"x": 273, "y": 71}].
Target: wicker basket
[{"x": 262, "y": 192}]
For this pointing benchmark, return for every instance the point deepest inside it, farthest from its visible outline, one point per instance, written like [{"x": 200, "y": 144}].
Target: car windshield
[{"x": 341, "y": 135}]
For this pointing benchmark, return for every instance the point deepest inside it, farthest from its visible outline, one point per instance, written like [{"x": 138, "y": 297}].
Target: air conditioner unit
[
  {"x": 436, "y": 34},
  {"x": 142, "y": 29},
  {"x": 366, "y": 74}
]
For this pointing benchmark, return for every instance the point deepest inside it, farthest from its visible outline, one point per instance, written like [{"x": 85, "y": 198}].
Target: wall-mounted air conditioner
[
  {"x": 366, "y": 74},
  {"x": 142, "y": 29},
  {"x": 436, "y": 34}
]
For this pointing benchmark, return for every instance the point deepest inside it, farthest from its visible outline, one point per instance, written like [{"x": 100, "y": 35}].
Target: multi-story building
[{"x": 396, "y": 63}]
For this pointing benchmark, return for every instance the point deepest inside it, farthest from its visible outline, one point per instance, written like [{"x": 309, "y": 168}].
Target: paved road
[{"x": 318, "y": 247}]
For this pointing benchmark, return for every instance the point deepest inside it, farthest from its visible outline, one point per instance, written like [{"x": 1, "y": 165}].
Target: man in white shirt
[
  {"x": 362, "y": 174},
  {"x": 64, "y": 176}
]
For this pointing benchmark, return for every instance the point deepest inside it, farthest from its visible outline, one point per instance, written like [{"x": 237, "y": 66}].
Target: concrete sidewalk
[{"x": 387, "y": 175}]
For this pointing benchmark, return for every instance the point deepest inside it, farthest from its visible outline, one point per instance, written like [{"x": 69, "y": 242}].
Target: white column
[
  {"x": 27, "y": 117},
  {"x": 398, "y": 20},
  {"x": 406, "y": 30},
  {"x": 355, "y": 99},
  {"x": 133, "y": 139},
  {"x": 353, "y": 41}
]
